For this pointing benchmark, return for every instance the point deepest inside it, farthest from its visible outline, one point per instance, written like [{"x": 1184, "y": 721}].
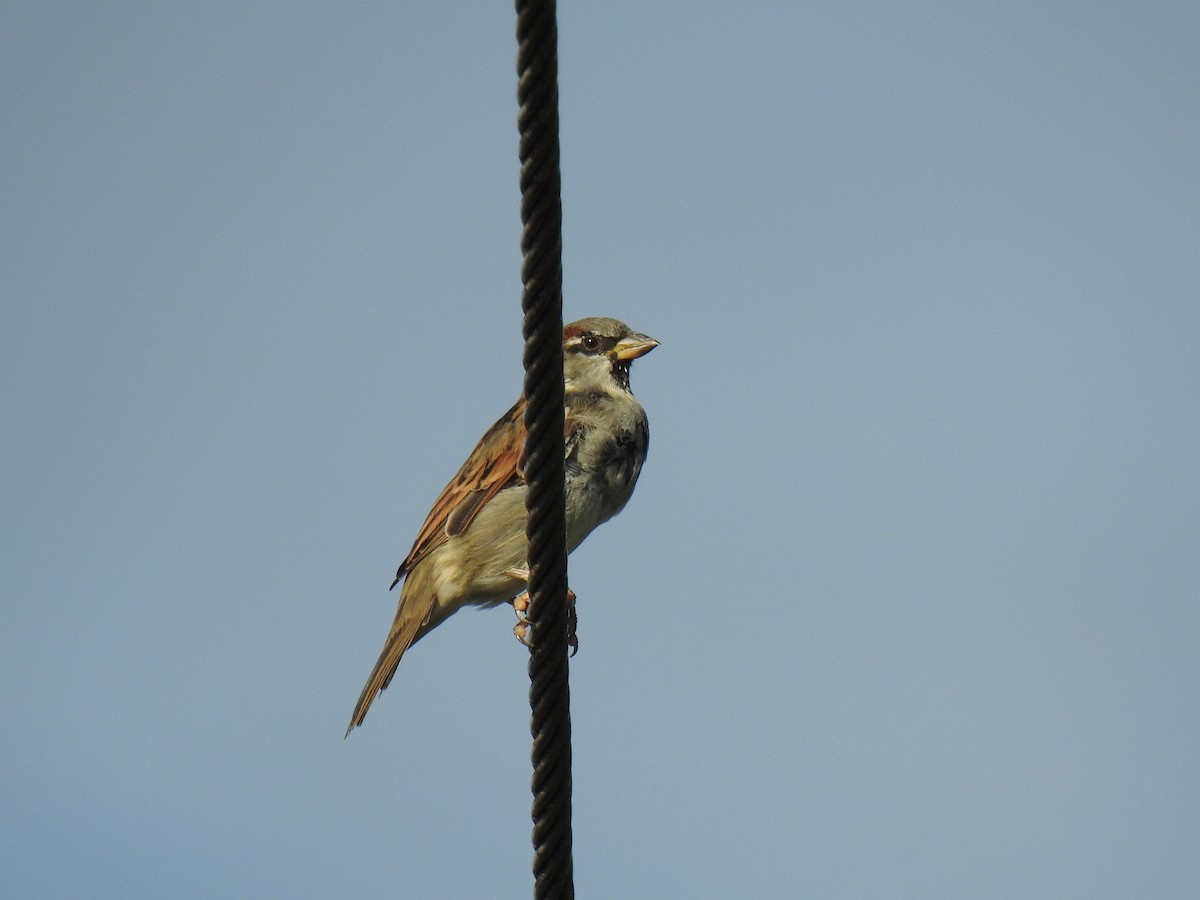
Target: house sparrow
[{"x": 471, "y": 549}]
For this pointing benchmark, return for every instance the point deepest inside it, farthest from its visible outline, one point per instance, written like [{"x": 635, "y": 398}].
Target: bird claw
[
  {"x": 521, "y": 629},
  {"x": 572, "y": 624},
  {"x": 521, "y": 608}
]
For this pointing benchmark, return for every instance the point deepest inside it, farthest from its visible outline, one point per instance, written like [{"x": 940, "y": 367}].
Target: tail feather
[{"x": 410, "y": 618}]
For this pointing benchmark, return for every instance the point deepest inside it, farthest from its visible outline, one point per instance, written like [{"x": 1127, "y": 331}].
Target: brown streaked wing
[{"x": 493, "y": 465}]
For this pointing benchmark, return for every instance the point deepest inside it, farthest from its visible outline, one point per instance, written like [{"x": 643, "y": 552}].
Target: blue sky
[{"x": 906, "y": 602}]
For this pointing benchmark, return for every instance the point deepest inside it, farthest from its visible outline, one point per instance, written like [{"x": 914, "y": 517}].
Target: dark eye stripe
[{"x": 592, "y": 343}]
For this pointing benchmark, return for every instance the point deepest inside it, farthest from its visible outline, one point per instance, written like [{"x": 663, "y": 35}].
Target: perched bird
[{"x": 471, "y": 550}]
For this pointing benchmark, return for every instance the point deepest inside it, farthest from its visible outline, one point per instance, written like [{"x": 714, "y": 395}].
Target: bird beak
[{"x": 632, "y": 346}]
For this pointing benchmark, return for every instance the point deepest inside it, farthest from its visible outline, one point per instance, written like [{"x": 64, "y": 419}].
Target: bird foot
[{"x": 521, "y": 608}]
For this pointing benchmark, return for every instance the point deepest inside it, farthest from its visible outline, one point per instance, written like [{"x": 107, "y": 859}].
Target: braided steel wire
[{"x": 541, "y": 274}]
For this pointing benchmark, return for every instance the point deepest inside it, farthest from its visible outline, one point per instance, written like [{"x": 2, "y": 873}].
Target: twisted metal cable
[{"x": 541, "y": 274}]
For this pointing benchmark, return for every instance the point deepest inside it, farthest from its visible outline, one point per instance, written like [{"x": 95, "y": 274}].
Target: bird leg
[{"x": 521, "y": 608}]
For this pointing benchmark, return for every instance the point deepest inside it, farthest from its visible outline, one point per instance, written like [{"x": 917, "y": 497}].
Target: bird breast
[{"x": 605, "y": 454}]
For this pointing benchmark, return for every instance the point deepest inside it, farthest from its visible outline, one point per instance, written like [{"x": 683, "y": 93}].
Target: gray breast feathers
[{"x": 606, "y": 448}]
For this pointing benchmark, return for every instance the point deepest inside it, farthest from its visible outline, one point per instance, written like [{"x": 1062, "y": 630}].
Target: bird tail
[{"x": 405, "y": 629}]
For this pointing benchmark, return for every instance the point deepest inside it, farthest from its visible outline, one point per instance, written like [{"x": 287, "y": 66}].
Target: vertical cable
[{"x": 541, "y": 274}]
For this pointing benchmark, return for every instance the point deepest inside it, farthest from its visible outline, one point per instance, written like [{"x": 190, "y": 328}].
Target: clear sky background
[{"x": 906, "y": 603}]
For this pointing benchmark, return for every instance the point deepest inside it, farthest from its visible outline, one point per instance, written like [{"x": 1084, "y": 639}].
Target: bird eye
[{"x": 590, "y": 342}]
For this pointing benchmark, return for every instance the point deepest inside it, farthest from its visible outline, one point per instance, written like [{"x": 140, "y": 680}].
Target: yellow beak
[{"x": 632, "y": 346}]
